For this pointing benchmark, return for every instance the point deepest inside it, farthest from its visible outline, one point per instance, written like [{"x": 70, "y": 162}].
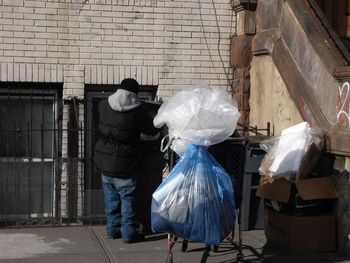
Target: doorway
[
  {"x": 29, "y": 151},
  {"x": 93, "y": 195}
]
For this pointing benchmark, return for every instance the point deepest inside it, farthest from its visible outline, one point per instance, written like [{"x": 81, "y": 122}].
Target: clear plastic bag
[
  {"x": 196, "y": 200},
  {"x": 292, "y": 154},
  {"x": 198, "y": 115}
]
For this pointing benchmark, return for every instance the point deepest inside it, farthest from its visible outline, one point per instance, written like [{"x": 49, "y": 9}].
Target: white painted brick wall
[{"x": 172, "y": 44}]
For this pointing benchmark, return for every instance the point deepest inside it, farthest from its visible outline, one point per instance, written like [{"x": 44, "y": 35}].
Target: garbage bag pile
[
  {"x": 293, "y": 154},
  {"x": 196, "y": 200}
]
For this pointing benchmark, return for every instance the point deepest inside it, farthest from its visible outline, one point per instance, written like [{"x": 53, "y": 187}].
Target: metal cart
[{"x": 231, "y": 154}]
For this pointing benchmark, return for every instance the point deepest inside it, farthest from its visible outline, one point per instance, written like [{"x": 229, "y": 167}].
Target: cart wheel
[
  {"x": 184, "y": 245},
  {"x": 240, "y": 257},
  {"x": 169, "y": 258},
  {"x": 215, "y": 248}
]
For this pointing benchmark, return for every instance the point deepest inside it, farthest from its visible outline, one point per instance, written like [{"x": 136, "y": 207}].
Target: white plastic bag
[
  {"x": 199, "y": 115},
  {"x": 289, "y": 155}
]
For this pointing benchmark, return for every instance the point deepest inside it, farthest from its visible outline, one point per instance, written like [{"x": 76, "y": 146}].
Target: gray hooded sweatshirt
[{"x": 123, "y": 100}]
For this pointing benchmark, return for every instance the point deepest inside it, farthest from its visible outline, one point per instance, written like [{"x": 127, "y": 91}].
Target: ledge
[
  {"x": 342, "y": 73},
  {"x": 337, "y": 141}
]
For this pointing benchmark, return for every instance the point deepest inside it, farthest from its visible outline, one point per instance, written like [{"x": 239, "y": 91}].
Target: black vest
[{"x": 118, "y": 150}]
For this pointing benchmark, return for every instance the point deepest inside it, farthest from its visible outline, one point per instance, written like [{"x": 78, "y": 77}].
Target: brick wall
[{"x": 172, "y": 44}]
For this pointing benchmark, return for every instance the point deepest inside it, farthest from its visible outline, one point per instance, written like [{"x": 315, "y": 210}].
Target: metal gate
[
  {"x": 47, "y": 174},
  {"x": 29, "y": 149}
]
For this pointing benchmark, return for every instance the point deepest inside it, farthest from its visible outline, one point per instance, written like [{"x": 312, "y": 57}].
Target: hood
[{"x": 123, "y": 100}]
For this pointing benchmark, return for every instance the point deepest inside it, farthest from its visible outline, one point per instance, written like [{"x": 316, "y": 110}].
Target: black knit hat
[{"x": 130, "y": 85}]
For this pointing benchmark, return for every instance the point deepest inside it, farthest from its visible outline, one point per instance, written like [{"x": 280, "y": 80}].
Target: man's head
[{"x": 130, "y": 84}]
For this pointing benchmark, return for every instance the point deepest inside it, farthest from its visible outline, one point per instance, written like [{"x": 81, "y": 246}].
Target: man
[{"x": 117, "y": 155}]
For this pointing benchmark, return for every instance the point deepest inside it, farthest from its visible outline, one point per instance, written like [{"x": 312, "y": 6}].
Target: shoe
[
  {"x": 134, "y": 239},
  {"x": 146, "y": 229},
  {"x": 115, "y": 236}
]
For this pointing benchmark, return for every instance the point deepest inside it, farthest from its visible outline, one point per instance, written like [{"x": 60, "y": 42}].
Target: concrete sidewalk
[{"x": 88, "y": 244}]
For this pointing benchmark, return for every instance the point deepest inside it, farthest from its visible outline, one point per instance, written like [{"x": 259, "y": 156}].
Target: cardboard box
[
  {"x": 300, "y": 234},
  {"x": 305, "y": 197}
]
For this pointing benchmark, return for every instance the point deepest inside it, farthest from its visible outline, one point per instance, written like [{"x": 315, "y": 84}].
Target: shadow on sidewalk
[{"x": 156, "y": 237}]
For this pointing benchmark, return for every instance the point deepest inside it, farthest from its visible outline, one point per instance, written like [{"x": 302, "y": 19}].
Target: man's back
[{"x": 122, "y": 121}]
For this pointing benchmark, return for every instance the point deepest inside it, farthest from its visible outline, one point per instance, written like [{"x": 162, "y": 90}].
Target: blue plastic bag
[{"x": 196, "y": 200}]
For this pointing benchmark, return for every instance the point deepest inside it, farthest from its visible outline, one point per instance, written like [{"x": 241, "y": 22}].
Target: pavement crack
[{"x": 107, "y": 253}]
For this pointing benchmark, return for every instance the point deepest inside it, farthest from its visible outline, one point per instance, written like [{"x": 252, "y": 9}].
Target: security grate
[{"x": 47, "y": 175}]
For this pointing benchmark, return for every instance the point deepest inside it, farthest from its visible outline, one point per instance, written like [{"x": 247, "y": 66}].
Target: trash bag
[
  {"x": 292, "y": 154},
  {"x": 198, "y": 115},
  {"x": 196, "y": 200}
]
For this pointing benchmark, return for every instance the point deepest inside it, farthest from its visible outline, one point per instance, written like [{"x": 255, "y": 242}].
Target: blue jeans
[{"x": 120, "y": 206}]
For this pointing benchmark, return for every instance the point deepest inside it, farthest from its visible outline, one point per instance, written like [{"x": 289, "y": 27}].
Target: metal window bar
[
  {"x": 246, "y": 129},
  {"x": 27, "y": 179},
  {"x": 74, "y": 187}
]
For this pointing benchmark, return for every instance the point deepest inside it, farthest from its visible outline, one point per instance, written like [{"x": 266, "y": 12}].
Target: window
[{"x": 28, "y": 150}]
